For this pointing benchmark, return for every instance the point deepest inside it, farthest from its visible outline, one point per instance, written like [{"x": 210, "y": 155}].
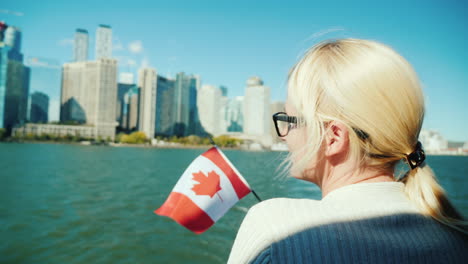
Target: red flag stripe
[
  {"x": 185, "y": 212},
  {"x": 239, "y": 186}
]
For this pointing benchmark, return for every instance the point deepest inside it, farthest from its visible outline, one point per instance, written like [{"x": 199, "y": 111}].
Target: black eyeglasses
[{"x": 284, "y": 123}]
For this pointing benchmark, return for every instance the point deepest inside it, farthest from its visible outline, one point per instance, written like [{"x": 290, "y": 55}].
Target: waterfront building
[
  {"x": 164, "y": 106},
  {"x": 81, "y": 43},
  {"x": 194, "y": 127},
  {"x": 122, "y": 89},
  {"x": 46, "y": 78},
  {"x": 257, "y": 118},
  {"x": 185, "y": 113},
  {"x": 126, "y": 81},
  {"x": 235, "y": 114},
  {"x": 147, "y": 81},
  {"x": 103, "y": 42},
  {"x": 39, "y": 108},
  {"x": 223, "y": 123},
  {"x": 88, "y": 132},
  {"x": 14, "y": 79},
  {"x": 224, "y": 90},
  {"x": 12, "y": 39},
  {"x": 432, "y": 141},
  {"x": 126, "y": 78},
  {"x": 209, "y": 107},
  {"x": 131, "y": 108},
  {"x": 88, "y": 96}
]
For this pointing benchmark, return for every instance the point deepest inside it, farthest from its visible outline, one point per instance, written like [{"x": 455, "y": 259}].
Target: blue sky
[{"x": 225, "y": 42}]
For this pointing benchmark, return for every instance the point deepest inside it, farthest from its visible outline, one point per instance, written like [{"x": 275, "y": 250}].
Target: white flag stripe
[
  {"x": 234, "y": 168},
  {"x": 213, "y": 206}
]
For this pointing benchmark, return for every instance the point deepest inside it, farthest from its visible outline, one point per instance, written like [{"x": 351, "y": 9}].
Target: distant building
[
  {"x": 3, "y": 28},
  {"x": 81, "y": 43},
  {"x": 185, "y": 114},
  {"x": 147, "y": 81},
  {"x": 46, "y": 78},
  {"x": 14, "y": 79},
  {"x": 432, "y": 141},
  {"x": 257, "y": 118},
  {"x": 223, "y": 122},
  {"x": 89, "y": 92},
  {"x": 87, "y": 132},
  {"x": 122, "y": 89},
  {"x": 224, "y": 90},
  {"x": 126, "y": 81},
  {"x": 235, "y": 114},
  {"x": 131, "y": 109},
  {"x": 126, "y": 78},
  {"x": 39, "y": 108},
  {"x": 103, "y": 42},
  {"x": 164, "y": 106},
  {"x": 209, "y": 108},
  {"x": 12, "y": 39}
]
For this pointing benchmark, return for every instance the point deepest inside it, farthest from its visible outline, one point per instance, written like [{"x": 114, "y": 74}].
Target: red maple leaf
[{"x": 207, "y": 185}]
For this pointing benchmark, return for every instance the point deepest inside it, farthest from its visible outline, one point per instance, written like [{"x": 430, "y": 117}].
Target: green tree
[
  {"x": 136, "y": 137},
  {"x": 2, "y": 133}
]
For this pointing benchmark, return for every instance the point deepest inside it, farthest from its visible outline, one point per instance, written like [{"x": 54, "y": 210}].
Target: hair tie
[{"x": 417, "y": 157}]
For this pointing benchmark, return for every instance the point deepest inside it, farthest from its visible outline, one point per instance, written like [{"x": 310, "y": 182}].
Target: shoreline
[
  {"x": 169, "y": 145},
  {"x": 117, "y": 145}
]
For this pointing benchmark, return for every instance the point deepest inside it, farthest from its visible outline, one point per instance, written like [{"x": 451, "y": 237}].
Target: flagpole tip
[{"x": 212, "y": 141}]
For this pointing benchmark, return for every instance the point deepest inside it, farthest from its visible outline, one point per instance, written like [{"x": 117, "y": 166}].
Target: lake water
[{"x": 94, "y": 204}]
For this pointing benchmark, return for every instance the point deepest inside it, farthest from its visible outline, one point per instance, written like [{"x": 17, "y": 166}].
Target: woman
[{"x": 354, "y": 110}]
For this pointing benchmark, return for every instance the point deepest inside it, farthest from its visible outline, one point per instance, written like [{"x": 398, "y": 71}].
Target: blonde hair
[{"x": 376, "y": 93}]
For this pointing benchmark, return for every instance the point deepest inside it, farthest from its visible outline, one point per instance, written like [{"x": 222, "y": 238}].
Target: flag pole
[
  {"x": 256, "y": 196},
  {"x": 253, "y": 192}
]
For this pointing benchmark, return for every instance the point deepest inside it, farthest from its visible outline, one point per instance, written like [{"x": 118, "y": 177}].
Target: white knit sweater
[{"x": 273, "y": 220}]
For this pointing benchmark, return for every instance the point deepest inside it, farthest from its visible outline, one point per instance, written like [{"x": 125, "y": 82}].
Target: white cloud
[
  {"x": 126, "y": 61},
  {"x": 66, "y": 42},
  {"x": 38, "y": 62},
  {"x": 5, "y": 11},
  {"x": 135, "y": 46}
]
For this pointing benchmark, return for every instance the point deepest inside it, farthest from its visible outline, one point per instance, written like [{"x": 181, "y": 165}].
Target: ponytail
[{"x": 425, "y": 192}]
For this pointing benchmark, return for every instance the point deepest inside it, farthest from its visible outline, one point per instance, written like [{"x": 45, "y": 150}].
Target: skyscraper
[
  {"x": 185, "y": 118},
  {"x": 164, "y": 106},
  {"x": 39, "y": 108},
  {"x": 257, "y": 118},
  {"x": 103, "y": 42},
  {"x": 147, "y": 81},
  {"x": 13, "y": 38},
  {"x": 209, "y": 108},
  {"x": 80, "y": 52},
  {"x": 125, "y": 83},
  {"x": 235, "y": 114},
  {"x": 14, "y": 78},
  {"x": 131, "y": 106},
  {"x": 89, "y": 92},
  {"x": 46, "y": 78},
  {"x": 126, "y": 78}
]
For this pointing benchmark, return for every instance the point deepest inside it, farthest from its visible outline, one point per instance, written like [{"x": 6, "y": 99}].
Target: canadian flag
[{"x": 208, "y": 188}]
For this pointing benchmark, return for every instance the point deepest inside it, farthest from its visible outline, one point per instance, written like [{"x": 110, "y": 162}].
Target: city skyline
[{"x": 265, "y": 40}]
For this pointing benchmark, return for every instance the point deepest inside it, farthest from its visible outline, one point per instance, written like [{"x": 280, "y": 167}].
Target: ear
[{"x": 337, "y": 139}]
